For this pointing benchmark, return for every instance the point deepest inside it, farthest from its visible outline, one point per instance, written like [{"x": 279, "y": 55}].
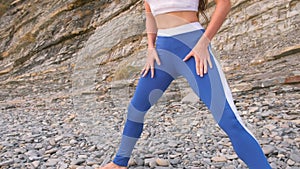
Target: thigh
[
  {"x": 212, "y": 88},
  {"x": 149, "y": 90}
]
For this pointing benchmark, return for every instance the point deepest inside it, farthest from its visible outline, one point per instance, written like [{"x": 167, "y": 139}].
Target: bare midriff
[{"x": 173, "y": 19}]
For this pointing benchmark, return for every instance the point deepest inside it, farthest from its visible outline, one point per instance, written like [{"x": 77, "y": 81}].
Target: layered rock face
[
  {"x": 50, "y": 44},
  {"x": 84, "y": 57}
]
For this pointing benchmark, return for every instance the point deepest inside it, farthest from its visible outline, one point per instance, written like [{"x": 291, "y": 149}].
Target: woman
[{"x": 179, "y": 46}]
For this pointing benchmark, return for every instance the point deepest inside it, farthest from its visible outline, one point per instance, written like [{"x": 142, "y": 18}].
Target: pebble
[
  {"x": 82, "y": 156},
  {"x": 51, "y": 151},
  {"x": 266, "y": 113},
  {"x": 175, "y": 161},
  {"x": 231, "y": 157},
  {"x": 149, "y": 160},
  {"x": 219, "y": 159},
  {"x": 38, "y": 146},
  {"x": 36, "y": 164},
  {"x": 295, "y": 156},
  {"x": 290, "y": 162},
  {"x": 268, "y": 149},
  {"x": 77, "y": 161},
  {"x": 139, "y": 161},
  {"x": 73, "y": 142},
  {"x": 51, "y": 162},
  {"x": 7, "y": 162},
  {"x": 91, "y": 162},
  {"x": 152, "y": 164},
  {"x": 162, "y": 162},
  {"x": 58, "y": 138},
  {"x": 131, "y": 162},
  {"x": 52, "y": 142}
]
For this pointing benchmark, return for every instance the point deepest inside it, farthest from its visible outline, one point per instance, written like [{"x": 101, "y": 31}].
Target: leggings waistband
[{"x": 179, "y": 29}]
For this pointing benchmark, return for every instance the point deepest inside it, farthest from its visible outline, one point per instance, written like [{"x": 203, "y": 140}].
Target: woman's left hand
[{"x": 201, "y": 55}]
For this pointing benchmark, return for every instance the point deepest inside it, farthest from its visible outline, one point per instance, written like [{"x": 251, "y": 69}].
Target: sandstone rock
[
  {"x": 292, "y": 79},
  {"x": 162, "y": 162},
  {"x": 219, "y": 159}
]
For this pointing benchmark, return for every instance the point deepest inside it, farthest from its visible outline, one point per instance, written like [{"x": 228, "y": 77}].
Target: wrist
[
  {"x": 206, "y": 38},
  {"x": 151, "y": 47},
  {"x": 203, "y": 41}
]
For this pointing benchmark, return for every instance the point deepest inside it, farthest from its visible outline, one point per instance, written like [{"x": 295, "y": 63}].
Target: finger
[
  {"x": 143, "y": 70},
  {"x": 146, "y": 71},
  {"x": 209, "y": 62},
  {"x": 197, "y": 66},
  {"x": 152, "y": 71},
  {"x": 201, "y": 67},
  {"x": 157, "y": 60},
  {"x": 187, "y": 57},
  {"x": 205, "y": 66}
]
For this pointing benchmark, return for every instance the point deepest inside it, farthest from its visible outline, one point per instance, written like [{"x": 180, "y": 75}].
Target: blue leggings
[{"x": 172, "y": 46}]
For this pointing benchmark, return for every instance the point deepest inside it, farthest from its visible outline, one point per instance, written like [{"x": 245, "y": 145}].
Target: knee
[
  {"x": 144, "y": 101},
  {"x": 135, "y": 114}
]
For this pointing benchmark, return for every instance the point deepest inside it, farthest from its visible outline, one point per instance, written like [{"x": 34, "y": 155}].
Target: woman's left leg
[{"x": 214, "y": 91}]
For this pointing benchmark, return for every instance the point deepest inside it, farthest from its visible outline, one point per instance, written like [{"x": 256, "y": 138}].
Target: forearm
[
  {"x": 151, "y": 29},
  {"x": 218, "y": 17}
]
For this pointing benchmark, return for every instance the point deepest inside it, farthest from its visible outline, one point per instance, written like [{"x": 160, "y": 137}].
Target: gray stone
[
  {"x": 295, "y": 156},
  {"x": 83, "y": 156},
  {"x": 51, "y": 162},
  {"x": 91, "y": 162},
  {"x": 139, "y": 161},
  {"x": 266, "y": 113},
  {"x": 73, "y": 142},
  {"x": 36, "y": 164},
  {"x": 38, "y": 146},
  {"x": 52, "y": 142},
  {"x": 290, "y": 162},
  {"x": 51, "y": 151},
  {"x": 131, "y": 162},
  {"x": 7, "y": 162},
  {"x": 77, "y": 161},
  {"x": 58, "y": 138},
  {"x": 268, "y": 149},
  {"x": 152, "y": 164},
  {"x": 147, "y": 161}
]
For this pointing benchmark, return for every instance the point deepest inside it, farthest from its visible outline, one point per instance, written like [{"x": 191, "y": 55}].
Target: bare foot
[{"x": 112, "y": 166}]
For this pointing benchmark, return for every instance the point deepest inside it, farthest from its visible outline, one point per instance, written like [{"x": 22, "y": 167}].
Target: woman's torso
[
  {"x": 173, "y": 19},
  {"x": 171, "y": 13}
]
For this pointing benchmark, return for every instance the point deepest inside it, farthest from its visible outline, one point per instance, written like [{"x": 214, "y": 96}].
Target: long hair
[{"x": 202, "y": 8}]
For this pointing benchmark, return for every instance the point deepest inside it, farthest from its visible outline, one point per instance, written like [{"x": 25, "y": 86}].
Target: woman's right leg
[{"x": 148, "y": 91}]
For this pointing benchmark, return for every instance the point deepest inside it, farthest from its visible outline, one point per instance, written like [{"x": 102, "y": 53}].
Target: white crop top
[{"x": 164, "y": 6}]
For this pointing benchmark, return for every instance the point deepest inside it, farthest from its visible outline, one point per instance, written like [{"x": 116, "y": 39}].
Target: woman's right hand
[{"x": 152, "y": 57}]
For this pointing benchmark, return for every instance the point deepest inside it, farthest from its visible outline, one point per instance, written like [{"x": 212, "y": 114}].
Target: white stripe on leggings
[{"x": 228, "y": 94}]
